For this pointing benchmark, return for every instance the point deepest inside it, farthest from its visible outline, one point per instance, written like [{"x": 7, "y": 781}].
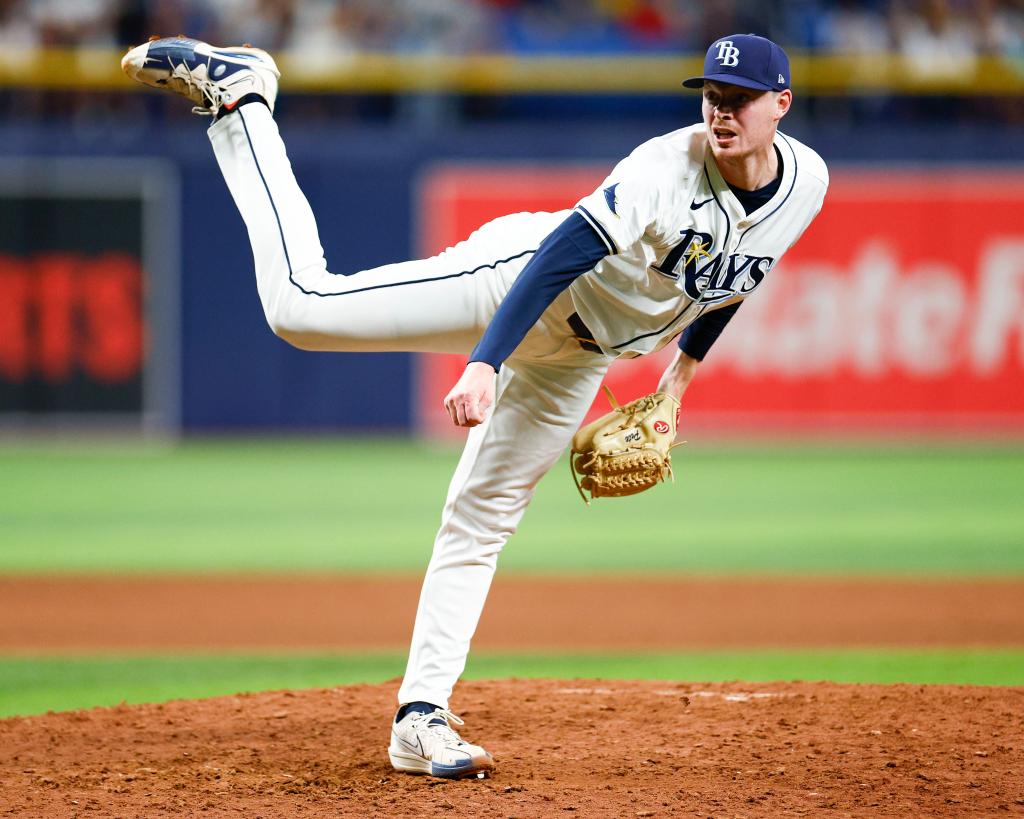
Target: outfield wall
[{"x": 873, "y": 319}]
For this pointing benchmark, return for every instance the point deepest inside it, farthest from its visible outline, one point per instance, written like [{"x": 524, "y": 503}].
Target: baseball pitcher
[{"x": 667, "y": 248}]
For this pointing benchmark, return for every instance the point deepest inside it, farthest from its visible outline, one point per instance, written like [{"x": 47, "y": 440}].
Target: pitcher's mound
[{"x": 563, "y": 747}]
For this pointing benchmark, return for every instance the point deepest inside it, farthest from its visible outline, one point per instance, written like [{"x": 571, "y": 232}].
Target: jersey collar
[{"x": 728, "y": 199}]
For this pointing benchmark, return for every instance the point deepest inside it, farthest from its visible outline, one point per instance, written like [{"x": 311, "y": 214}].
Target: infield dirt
[{"x": 164, "y": 614}]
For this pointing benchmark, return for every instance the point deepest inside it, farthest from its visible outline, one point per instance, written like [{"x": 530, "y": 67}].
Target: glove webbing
[{"x": 643, "y": 473}]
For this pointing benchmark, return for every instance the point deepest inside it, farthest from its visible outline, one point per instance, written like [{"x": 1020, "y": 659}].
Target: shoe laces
[
  {"x": 442, "y": 730},
  {"x": 187, "y": 82}
]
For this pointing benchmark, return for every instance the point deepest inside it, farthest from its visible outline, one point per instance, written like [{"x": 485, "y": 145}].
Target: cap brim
[{"x": 728, "y": 79}]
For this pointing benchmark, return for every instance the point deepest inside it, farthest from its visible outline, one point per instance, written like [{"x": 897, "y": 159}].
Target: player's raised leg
[{"x": 437, "y": 304}]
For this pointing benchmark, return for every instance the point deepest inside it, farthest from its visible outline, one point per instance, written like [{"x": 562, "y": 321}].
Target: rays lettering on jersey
[{"x": 711, "y": 279}]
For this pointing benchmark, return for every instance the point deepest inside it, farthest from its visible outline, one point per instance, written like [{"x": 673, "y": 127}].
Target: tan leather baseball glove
[{"x": 627, "y": 450}]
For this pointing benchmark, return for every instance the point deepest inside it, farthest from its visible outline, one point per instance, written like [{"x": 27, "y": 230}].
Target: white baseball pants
[{"x": 441, "y": 304}]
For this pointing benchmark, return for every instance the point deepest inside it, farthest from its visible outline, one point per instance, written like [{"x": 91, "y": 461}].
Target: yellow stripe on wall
[{"x": 99, "y": 70}]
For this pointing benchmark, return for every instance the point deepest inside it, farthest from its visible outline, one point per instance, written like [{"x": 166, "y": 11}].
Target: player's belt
[{"x": 583, "y": 335}]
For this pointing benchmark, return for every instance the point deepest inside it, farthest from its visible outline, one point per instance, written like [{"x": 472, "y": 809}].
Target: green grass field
[
  {"x": 31, "y": 685},
  {"x": 338, "y": 505}
]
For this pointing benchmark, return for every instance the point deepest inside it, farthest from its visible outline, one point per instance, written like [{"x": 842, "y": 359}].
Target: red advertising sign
[
  {"x": 71, "y": 303},
  {"x": 901, "y": 308},
  {"x": 68, "y": 313}
]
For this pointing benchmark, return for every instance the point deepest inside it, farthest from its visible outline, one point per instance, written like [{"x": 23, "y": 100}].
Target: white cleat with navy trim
[
  {"x": 427, "y": 744},
  {"x": 212, "y": 78}
]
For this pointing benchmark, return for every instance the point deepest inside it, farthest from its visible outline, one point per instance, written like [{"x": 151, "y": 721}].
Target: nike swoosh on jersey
[{"x": 695, "y": 205}]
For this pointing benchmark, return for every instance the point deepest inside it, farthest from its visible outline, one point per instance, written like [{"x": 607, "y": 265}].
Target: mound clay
[{"x": 564, "y": 748}]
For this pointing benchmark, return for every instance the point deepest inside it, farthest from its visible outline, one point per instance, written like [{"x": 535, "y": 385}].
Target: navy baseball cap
[{"x": 747, "y": 60}]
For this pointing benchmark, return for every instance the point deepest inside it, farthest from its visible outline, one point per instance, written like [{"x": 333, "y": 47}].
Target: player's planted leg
[{"x": 538, "y": 408}]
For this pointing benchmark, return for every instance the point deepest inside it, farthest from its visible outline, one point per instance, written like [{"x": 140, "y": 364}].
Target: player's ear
[{"x": 783, "y": 101}]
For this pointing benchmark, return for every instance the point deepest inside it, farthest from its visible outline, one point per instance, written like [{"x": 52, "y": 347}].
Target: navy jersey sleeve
[
  {"x": 569, "y": 251},
  {"x": 697, "y": 339}
]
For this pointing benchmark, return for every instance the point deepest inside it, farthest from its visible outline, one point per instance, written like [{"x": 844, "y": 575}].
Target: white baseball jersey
[{"x": 680, "y": 243}]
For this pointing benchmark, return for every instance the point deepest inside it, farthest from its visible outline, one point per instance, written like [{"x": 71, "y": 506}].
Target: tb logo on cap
[{"x": 728, "y": 54}]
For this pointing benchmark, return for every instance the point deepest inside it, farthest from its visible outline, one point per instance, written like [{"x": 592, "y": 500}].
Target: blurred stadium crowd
[
  {"x": 936, "y": 30},
  {"x": 951, "y": 44}
]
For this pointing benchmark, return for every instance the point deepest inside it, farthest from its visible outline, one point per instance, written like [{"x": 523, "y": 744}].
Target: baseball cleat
[
  {"x": 427, "y": 744},
  {"x": 212, "y": 78}
]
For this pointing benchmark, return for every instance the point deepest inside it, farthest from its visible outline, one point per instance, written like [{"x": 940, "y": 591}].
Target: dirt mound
[{"x": 564, "y": 747}]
